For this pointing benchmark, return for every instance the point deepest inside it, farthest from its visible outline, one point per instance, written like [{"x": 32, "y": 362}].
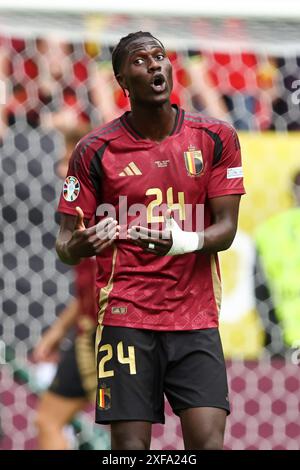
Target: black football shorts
[
  {"x": 76, "y": 372},
  {"x": 137, "y": 367}
]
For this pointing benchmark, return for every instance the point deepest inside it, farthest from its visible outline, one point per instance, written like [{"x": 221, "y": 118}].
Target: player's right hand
[
  {"x": 93, "y": 240},
  {"x": 47, "y": 348}
]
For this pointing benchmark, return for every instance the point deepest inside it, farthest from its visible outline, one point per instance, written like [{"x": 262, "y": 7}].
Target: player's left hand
[{"x": 157, "y": 242}]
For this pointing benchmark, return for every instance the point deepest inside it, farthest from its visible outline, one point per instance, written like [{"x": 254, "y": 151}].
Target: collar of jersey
[{"x": 137, "y": 136}]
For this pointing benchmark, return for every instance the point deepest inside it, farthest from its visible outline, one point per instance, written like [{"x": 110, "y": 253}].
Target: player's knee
[
  {"x": 129, "y": 444},
  {"x": 44, "y": 421},
  {"x": 121, "y": 441},
  {"x": 212, "y": 441},
  {"x": 39, "y": 421}
]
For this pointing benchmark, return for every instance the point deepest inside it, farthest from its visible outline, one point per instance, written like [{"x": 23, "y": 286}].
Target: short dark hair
[{"x": 118, "y": 52}]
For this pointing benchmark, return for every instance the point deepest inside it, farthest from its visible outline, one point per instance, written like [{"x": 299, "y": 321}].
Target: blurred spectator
[
  {"x": 107, "y": 96},
  {"x": 234, "y": 75},
  {"x": 277, "y": 276},
  {"x": 63, "y": 84},
  {"x": 204, "y": 96},
  {"x": 66, "y": 118},
  {"x": 48, "y": 83},
  {"x": 21, "y": 106},
  {"x": 286, "y": 113},
  {"x": 3, "y": 92},
  {"x": 268, "y": 90}
]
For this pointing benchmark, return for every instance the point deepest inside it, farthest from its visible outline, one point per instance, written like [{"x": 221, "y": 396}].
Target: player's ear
[{"x": 121, "y": 81}]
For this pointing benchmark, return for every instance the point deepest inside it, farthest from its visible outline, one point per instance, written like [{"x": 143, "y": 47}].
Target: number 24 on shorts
[{"x": 129, "y": 359}]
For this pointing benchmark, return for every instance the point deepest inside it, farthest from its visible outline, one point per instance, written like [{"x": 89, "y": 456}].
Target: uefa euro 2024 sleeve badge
[{"x": 71, "y": 188}]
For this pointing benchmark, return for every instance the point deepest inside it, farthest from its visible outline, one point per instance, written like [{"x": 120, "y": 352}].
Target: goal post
[{"x": 213, "y": 25}]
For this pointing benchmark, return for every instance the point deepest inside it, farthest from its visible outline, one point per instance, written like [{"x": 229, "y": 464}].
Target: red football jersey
[{"x": 115, "y": 165}]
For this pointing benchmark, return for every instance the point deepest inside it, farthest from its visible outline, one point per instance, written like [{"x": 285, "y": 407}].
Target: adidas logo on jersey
[{"x": 131, "y": 170}]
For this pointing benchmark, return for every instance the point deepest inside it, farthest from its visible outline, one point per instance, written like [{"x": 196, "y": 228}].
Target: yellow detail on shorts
[
  {"x": 108, "y": 356},
  {"x": 130, "y": 359}
]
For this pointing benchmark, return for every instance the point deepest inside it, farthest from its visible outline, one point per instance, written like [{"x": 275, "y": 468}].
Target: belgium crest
[
  {"x": 194, "y": 162},
  {"x": 104, "y": 397}
]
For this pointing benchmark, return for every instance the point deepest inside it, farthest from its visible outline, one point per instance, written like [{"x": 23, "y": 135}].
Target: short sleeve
[
  {"x": 227, "y": 172},
  {"x": 78, "y": 188}
]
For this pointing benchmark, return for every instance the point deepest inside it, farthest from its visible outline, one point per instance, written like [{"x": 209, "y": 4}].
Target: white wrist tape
[{"x": 183, "y": 242}]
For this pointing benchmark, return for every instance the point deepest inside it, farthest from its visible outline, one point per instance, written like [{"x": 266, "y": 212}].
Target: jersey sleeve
[
  {"x": 78, "y": 188},
  {"x": 227, "y": 172}
]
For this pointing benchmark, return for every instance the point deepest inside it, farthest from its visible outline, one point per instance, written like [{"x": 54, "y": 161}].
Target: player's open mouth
[{"x": 159, "y": 83}]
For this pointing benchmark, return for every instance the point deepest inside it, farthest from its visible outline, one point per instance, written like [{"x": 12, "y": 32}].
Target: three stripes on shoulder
[{"x": 131, "y": 170}]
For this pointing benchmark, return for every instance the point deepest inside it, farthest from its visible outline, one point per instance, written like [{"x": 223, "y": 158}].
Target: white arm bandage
[{"x": 183, "y": 242}]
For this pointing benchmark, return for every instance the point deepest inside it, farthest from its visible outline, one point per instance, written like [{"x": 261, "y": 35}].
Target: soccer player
[
  {"x": 74, "y": 385},
  {"x": 158, "y": 285},
  {"x": 277, "y": 276}
]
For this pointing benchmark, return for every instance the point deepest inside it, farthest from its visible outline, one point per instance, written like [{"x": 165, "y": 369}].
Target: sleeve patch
[
  {"x": 236, "y": 172},
  {"x": 71, "y": 188}
]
